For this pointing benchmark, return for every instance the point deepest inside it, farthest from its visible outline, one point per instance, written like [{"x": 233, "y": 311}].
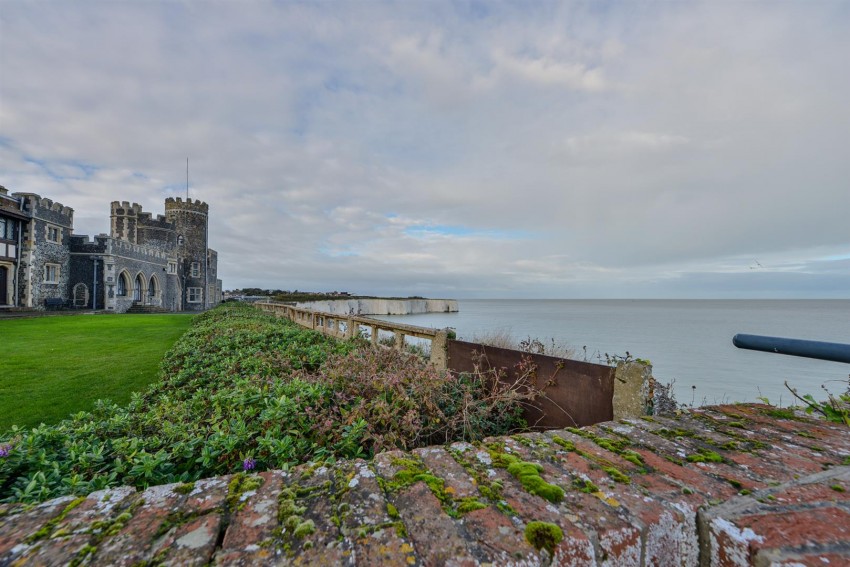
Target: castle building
[{"x": 145, "y": 263}]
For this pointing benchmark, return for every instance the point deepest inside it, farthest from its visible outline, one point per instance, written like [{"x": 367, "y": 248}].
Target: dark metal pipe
[{"x": 835, "y": 352}]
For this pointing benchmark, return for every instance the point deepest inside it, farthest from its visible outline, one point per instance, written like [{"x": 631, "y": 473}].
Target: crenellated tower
[
  {"x": 190, "y": 220},
  {"x": 124, "y": 221}
]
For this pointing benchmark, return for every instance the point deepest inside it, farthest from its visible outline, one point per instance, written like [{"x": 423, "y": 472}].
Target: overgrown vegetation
[
  {"x": 503, "y": 339},
  {"x": 836, "y": 407},
  {"x": 242, "y": 390}
]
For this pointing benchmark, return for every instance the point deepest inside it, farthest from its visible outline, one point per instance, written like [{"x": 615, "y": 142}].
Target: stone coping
[{"x": 725, "y": 485}]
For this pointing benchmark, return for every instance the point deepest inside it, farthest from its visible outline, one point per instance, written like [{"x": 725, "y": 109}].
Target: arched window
[
  {"x": 180, "y": 240},
  {"x": 153, "y": 287},
  {"x": 123, "y": 285},
  {"x": 139, "y": 288}
]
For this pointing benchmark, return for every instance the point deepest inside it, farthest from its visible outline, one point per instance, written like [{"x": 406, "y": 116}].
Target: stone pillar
[
  {"x": 399, "y": 340},
  {"x": 350, "y": 328},
  {"x": 439, "y": 350},
  {"x": 374, "y": 335},
  {"x": 632, "y": 386}
]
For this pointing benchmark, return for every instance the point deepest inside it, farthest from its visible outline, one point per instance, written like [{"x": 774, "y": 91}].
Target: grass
[{"x": 51, "y": 367}]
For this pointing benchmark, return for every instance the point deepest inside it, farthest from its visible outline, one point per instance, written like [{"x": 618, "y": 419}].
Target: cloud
[{"x": 452, "y": 148}]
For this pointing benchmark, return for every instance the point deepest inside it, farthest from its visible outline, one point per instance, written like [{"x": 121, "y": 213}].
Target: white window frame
[
  {"x": 194, "y": 295},
  {"x": 56, "y": 273},
  {"x": 58, "y": 231},
  {"x": 172, "y": 267},
  {"x": 196, "y": 269}
]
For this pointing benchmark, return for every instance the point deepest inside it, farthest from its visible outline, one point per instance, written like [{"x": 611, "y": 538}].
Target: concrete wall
[{"x": 382, "y": 306}]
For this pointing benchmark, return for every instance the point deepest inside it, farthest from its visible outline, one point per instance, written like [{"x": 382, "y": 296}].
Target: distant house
[{"x": 161, "y": 263}]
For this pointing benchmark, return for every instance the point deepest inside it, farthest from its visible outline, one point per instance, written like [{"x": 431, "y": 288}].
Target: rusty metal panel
[{"x": 575, "y": 393}]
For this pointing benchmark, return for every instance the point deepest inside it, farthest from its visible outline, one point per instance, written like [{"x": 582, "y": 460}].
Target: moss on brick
[
  {"x": 544, "y": 535},
  {"x": 567, "y": 445},
  {"x": 617, "y": 475},
  {"x": 705, "y": 456},
  {"x": 528, "y": 475},
  {"x": 47, "y": 529},
  {"x": 184, "y": 488},
  {"x": 239, "y": 485}
]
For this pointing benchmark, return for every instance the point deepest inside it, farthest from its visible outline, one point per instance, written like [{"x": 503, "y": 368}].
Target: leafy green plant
[
  {"x": 836, "y": 407},
  {"x": 242, "y": 390}
]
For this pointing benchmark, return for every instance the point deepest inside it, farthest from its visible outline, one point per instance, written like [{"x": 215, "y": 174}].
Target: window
[
  {"x": 196, "y": 294},
  {"x": 123, "y": 284},
  {"x": 51, "y": 273},
  {"x": 172, "y": 267},
  {"x": 139, "y": 288},
  {"x": 180, "y": 240},
  {"x": 152, "y": 287},
  {"x": 7, "y": 228},
  {"x": 54, "y": 234},
  {"x": 196, "y": 269}
]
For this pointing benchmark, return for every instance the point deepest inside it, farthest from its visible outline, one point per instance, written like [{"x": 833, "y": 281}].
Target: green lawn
[{"x": 51, "y": 367}]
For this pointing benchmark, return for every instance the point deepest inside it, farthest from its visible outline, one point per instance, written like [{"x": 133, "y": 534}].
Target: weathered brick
[
  {"x": 161, "y": 514},
  {"x": 617, "y": 538},
  {"x": 79, "y": 530},
  {"x": 192, "y": 543},
  {"x": 502, "y": 540},
  {"x": 366, "y": 523},
  {"x": 441, "y": 463},
  {"x": 315, "y": 539},
  {"x": 808, "y": 558},
  {"x": 18, "y": 530},
  {"x": 666, "y": 525},
  {"x": 383, "y": 546},
  {"x": 248, "y": 539},
  {"x": 434, "y": 534},
  {"x": 356, "y": 513},
  {"x": 791, "y": 528}
]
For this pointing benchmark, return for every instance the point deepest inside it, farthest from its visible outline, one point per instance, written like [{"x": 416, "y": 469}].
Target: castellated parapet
[
  {"x": 178, "y": 204},
  {"x": 46, "y": 209}
]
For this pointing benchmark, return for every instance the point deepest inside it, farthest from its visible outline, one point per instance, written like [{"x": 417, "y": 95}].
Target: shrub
[
  {"x": 385, "y": 399},
  {"x": 503, "y": 339},
  {"x": 243, "y": 390}
]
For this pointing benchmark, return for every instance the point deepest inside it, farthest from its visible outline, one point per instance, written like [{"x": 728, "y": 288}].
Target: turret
[
  {"x": 189, "y": 219},
  {"x": 124, "y": 219}
]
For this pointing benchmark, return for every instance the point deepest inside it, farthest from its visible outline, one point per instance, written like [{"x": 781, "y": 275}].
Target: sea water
[{"x": 689, "y": 342}]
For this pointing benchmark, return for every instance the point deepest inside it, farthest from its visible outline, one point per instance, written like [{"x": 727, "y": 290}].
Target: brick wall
[{"x": 729, "y": 485}]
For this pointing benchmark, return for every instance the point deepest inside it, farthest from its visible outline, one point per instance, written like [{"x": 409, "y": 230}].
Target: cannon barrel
[{"x": 836, "y": 352}]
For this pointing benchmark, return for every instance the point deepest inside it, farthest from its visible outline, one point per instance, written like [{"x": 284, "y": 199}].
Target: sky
[{"x": 453, "y": 149}]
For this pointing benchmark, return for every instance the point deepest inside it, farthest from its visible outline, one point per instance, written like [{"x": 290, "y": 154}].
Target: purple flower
[
  {"x": 248, "y": 464},
  {"x": 4, "y": 450}
]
